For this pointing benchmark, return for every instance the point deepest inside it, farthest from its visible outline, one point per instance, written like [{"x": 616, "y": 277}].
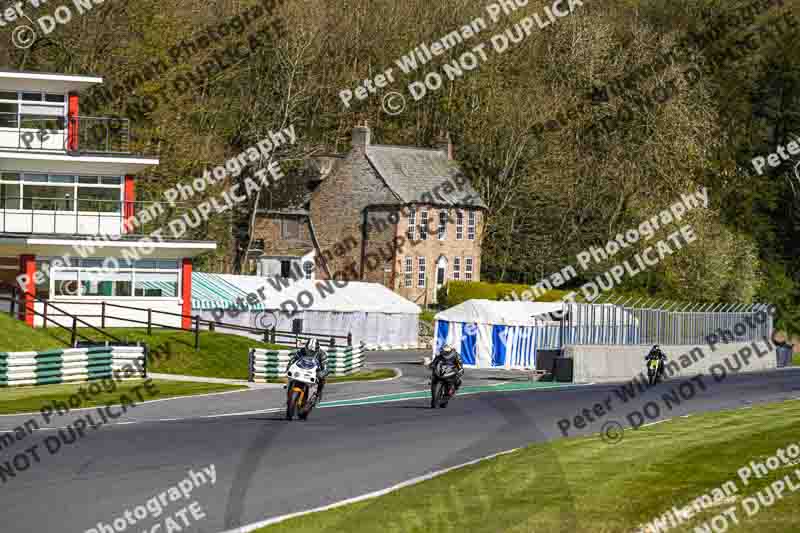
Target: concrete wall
[{"x": 595, "y": 363}]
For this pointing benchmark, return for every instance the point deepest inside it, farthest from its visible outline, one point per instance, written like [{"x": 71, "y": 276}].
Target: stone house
[{"x": 405, "y": 217}]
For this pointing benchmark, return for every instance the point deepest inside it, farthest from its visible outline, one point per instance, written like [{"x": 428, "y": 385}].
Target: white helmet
[
  {"x": 312, "y": 345},
  {"x": 447, "y": 348}
]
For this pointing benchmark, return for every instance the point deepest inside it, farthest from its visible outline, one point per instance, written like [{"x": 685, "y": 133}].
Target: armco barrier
[
  {"x": 69, "y": 365},
  {"x": 271, "y": 364},
  {"x": 605, "y": 363}
]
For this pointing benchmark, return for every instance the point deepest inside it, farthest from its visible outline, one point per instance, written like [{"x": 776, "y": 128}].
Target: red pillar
[
  {"x": 72, "y": 122},
  {"x": 128, "y": 209},
  {"x": 27, "y": 266},
  {"x": 186, "y": 292}
]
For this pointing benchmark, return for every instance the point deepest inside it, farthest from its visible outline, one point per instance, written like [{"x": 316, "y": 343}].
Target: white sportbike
[{"x": 302, "y": 387}]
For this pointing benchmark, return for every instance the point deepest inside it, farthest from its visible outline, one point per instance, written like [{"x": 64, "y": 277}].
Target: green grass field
[
  {"x": 221, "y": 355},
  {"x": 29, "y": 399},
  {"x": 588, "y": 485}
]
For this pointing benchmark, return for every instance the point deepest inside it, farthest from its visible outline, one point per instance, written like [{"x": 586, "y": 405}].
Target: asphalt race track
[{"x": 267, "y": 467}]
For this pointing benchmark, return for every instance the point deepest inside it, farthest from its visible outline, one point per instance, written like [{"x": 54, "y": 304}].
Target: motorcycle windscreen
[{"x": 307, "y": 363}]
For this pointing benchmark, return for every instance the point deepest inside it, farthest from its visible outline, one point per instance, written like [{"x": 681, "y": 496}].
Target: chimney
[
  {"x": 444, "y": 144},
  {"x": 361, "y": 136}
]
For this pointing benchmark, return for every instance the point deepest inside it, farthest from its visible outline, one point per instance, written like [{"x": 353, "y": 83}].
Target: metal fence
[{"x": 642, "y": 322}]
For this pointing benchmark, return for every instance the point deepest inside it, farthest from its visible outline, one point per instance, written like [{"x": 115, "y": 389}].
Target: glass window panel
[
  {"x": 44, "y": 125},
  {"x": 42, "y": 178},
  {"x": 9, "y": 196},
  {"x": 91, "y": 263},
  {"x": 89, "y": 179},
  {"x": 47, "y": 198},
  {"x": 58, "y": 178},
  {"x": 112, "y": 180},
  {"x": 8, "y": 96},
  {"x": 98, "y": 283},
  {"x": 32, "y": 97},
  {"x": 9, "y": 176},
  {"x": 42, "y": 110},
  {"x": 168, "y": 265},
  {"x": 8, "y": 115},
  {"x": 54, "y": 98},
  {"x": 156, "y": 285},
  {"x": 65, "y": 282},
  {"x": 146, "y": 264},
  {"x": 97, "y": 200},
  {"x": 43, "y": 281}
]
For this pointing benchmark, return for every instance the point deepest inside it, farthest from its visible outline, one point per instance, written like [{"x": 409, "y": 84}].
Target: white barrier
[
  {"x": 594, "y": 363},
  {"x": 70, "y": 365},
  {"x": 271, "y": 364}
]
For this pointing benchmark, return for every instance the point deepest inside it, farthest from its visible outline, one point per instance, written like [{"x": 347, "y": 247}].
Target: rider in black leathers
[
  {"x": 448, "y": 356},
  {"x": 656, "y": 353},
  {"x": 312, "y": 349}
]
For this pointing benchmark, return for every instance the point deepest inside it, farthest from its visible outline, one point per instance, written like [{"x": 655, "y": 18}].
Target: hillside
[{"x": 576, "y": 133}]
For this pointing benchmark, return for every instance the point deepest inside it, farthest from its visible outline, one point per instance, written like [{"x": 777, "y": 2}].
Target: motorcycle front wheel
[
  {"x": 291, "y": 404},
  {"x": 444, "y": 395},
  {"x": 438, "y": 389}
]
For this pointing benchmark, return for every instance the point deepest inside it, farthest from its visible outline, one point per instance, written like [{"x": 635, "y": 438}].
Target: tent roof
[
  {"x": 510, "y": 313},
  {"x": 221, "y": 291},
  {"x": 521, "y": 313}
]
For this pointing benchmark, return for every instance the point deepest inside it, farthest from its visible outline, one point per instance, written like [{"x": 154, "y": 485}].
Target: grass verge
[
  {"x": 592, "y": 486},
  {"x": 29, "y": 399},
  {"x": 220, "y": 355}
]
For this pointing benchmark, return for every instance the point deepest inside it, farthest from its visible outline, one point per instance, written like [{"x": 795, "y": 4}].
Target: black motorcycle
[
  {"x": 443, "y": 378},
  {"x": 655, "y": 369}
]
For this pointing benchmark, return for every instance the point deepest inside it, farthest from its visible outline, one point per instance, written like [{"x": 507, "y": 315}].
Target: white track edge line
[{"x": 368, "y": 496}]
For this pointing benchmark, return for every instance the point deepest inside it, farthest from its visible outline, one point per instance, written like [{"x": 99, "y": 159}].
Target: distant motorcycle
[
  {"x": 655, "y": 369},
  {"x": 301, "y": 389},
  {"x": 443, "y": 377}
]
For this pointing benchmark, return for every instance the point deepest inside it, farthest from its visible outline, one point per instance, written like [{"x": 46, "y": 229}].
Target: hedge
[{"x": 456, "y": 292}]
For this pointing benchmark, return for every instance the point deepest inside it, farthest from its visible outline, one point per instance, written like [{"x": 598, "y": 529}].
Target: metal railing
[
  {"x": 643, "y": 321},
  {"x": 68, "y": 216},
  {"x": 23, "y": 302},
  {"x": 76, "y": 134},
  {"x": 268, "y": 335}
]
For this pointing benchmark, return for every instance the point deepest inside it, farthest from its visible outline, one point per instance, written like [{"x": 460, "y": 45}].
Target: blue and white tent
[{"x": 499, "y": 334}]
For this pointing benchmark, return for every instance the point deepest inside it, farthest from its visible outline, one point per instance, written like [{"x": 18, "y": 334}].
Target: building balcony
[
  {"x": 74, "y": 135},
  {"x": 69, "y": 217}
]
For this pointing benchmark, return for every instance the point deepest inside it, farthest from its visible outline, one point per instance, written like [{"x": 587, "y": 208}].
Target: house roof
[{"x": 413, "y": 172}]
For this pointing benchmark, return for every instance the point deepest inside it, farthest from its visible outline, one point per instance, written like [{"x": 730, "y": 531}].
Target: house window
[
  {"x": 33, "y": 111},
  {"x": 420, "y": 271},
  {"x": 408, "y": 272},
  {"x": 467, "y": 269},
  {"x": 423, "y": 226},
  {"x": 286, "y": 269},
  {"x": 411, "y": 233},
  {"x": 308, "y": 269},
  {"x": 442, "y": 225},
  {"x": 456, "y": 268},
  {"x": 471, "y": 226},
  {"x": 290, "y": 228},
  {"x": 59, "y": 192},
  {"x": 102, "y": 278},
  {"x": 459, "y": 225}
]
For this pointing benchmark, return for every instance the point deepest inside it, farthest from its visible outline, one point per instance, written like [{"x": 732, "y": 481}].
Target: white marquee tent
[
  {"x": 508, "y": 334},
  {"x": 371, "y": 312}
]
